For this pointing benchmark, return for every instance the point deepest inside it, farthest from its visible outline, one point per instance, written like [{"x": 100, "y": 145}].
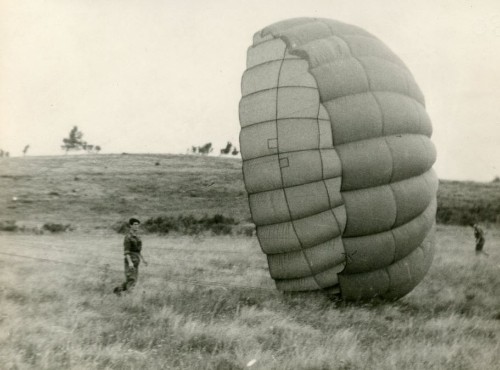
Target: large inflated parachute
[{"x": 337, "y": 161}]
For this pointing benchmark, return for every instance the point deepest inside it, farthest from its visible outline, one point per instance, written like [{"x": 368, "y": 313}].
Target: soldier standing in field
[
  {"x": 479, "y": 235},
  {"x": 132, "y": 246}
]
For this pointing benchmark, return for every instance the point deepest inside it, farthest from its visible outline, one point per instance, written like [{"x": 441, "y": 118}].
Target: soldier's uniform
[
  {"x": 132, "y": 246},
  {"x": 479, "y": 235}
]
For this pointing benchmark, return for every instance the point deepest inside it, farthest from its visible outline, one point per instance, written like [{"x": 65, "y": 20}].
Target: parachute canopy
[{"x": 337, "y": 160}]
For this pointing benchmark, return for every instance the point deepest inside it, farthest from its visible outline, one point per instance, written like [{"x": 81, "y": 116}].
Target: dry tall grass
[{"x": 207, "y": 303}]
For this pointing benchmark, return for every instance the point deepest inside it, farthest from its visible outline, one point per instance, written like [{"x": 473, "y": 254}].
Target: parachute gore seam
[
  {"x": 280, "y": 87},
  {"x": 306, "y": 248},
  {"x": 337, "y": 98},
  {"x": 335, "y": 266},
  {"x": 355, "y": 141},
  {"x": 376, "y": 91},
  {"x": 272, "y": 61},
  {"x": 397, "y": 62},
  {"x": 415, "y": 105},
  {"x": 340, "y": 205},
  {"x": 291, "y": 151},
  {"x": 283, "y": 182},
  {"x": 283, "y": 119},
  {"x": 390, "y": 52},
  {"x": 302, "y": 184}
]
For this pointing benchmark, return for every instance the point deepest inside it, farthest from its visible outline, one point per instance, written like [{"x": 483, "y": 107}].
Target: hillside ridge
[{"x": 98, "y": 190}]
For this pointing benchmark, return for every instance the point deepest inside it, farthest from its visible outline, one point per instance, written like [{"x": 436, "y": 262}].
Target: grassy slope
[
  {"x": 462, "y": 202},
  {"x": 91, "y": 191},
  {"x": 88, "y": 191}
]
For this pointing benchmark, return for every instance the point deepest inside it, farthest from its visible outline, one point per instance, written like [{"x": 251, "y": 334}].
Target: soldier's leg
[
  {"x": 132, "y": 273},
  {"x": 123, "y": 286},
  {"x": 479, "y": 245}
]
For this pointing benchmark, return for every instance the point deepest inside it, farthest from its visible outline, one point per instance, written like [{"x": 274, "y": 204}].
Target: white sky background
[{"x": 158, "y": 76}]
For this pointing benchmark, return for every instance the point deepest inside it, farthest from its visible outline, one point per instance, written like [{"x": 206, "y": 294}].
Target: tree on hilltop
[
  {"x": 227, "y": 149},
  {"x": 75, "y": 142},
  {"x": 205, "y": 149}
]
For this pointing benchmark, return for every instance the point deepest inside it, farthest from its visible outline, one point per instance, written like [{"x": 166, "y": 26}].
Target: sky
[{"x": 159, "y": 76}]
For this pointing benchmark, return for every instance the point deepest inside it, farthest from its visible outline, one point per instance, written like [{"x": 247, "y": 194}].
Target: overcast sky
[{"x": 159, "y": 76}]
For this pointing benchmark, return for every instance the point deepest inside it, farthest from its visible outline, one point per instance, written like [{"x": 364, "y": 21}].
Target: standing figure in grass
[
  {"x": 132, "y": 246},
  {"x": 479, "y": 235}
]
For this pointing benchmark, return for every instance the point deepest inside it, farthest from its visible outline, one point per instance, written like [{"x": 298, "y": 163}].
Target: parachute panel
[
  {"x": 262, "y": 174},
  {"x": 402, "y": 114},
  {"x": 413, "y": 196},
  {"x": 323, "y": 280},
  {"x": 412, "y": 155},
  {"x": 292, "y": 73},
  {"x": 362, "y": 46},
  {"x": 298, "y": 168},
  {"x": 307, "y": 200},
  {"x": 297, "y": 134},
  {"x": 317, "y": 228},
  {"x": 302, "y": 263},
  {"x": 340, "y": 78},
  {"x": 355, "y": 117},
  {"x": 278, "y": 238},
  {"x": 267, "y": 51},
  {"x": 258, "y": 140},
  {"x": 369, "y": 211},
  {"x": 265, "y": 100}
]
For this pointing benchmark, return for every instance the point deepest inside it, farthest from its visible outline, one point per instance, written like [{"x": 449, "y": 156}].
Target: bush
[
  {"x": 465, "y": 214},
  {"x": 161, "y": 225},
  {"x": 247, "y": 230},
  {"x": 8, "y": 225},
  {"x": 184, "y": 224},
  {"x": 463, "y": 203},
  {"x": 56, "y": 228}
]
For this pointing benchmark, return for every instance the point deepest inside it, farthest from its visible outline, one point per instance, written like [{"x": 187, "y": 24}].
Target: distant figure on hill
[
  {"x": 132, "y": 246},
  {"x": 479, "y": 235}
]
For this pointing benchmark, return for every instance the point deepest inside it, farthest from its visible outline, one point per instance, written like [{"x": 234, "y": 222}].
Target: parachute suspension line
[
  {"x": 172, "y": 280},
  {"x": 281, "y": 175}
]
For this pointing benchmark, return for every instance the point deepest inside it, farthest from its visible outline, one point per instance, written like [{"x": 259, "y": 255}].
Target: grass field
[{"x": 207, "y": 302}]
